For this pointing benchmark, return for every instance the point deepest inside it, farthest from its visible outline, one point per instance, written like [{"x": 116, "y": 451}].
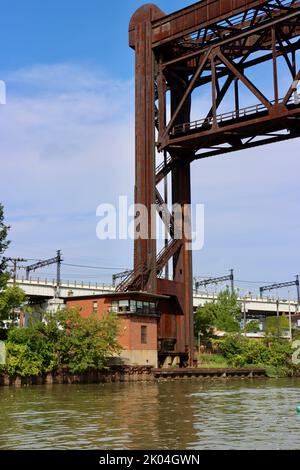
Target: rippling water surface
[{"x": 181, "y": 414}]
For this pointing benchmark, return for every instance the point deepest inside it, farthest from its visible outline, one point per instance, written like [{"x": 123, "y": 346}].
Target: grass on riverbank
[{"x": 210, "y": 361}]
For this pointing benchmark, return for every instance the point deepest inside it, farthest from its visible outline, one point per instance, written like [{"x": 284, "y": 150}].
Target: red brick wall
[
  {"x": 135, "y": 339},
  {"x": 87, "y": 305},
  {"x": 130, "y": 326}
]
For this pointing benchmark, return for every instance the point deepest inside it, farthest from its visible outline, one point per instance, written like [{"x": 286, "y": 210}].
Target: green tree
[
  {"x": 65, "y": 340},
  {"x": 4, "y": 243},
  {"x": 86, "y": 343},
  {"x": 204, "y": 319},
  {"x": 223, "y": 314},
  {"x": 10, "y": 297}
]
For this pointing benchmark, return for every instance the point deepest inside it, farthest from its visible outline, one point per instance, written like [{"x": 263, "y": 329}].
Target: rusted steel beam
[
  {"x": 253, "y": 31},
  {"x": 232, "y": 67},
  {"x": 145, "y": 248},
  {"x": 204, "y": 13},
  {"x": 250, "y": 145},
  {"x": 166, "y": 254},
  {"x": 204, "y": 139},
  {"x": 186, "y": 93},
  {"x": 164, "y": 213}
]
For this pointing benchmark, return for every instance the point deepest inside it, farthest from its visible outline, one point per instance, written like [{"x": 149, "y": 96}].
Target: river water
[{"x": 178, "y": 414}]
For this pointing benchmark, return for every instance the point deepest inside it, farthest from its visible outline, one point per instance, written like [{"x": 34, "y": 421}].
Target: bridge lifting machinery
[{"x": 208, "y": 50}]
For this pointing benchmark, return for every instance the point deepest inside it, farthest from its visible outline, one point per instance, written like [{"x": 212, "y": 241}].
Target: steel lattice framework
[{"x": 206, "y": 51}]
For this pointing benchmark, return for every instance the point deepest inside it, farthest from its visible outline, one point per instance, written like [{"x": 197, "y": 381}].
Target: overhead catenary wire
[
  {"x": 111, "y": 268},
  {"x": 116, "y": 268}
]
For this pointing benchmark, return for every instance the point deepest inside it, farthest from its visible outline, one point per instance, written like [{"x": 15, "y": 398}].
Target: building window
[
  {"x": 133, "y": 306},
  {"x": 152, "y": 308},
  {"x": 139, "y": 307},
  {"x": 115, "y": 306},
  {"x": 95, "y": 308},
  {"x": 146, "y": 307},
  {"x": 123, "y": 305},
  {"x": 143, "y": 334}
]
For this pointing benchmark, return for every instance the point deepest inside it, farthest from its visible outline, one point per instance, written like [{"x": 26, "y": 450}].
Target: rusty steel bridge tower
[{"x": 209, "y": 81}]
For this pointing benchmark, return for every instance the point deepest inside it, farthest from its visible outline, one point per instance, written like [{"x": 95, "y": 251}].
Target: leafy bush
[
  {"x": 274, "y": 353},
  {"x": 253, "y": 326},
  {"x": 41, "y": 339},
  {"x": 21, "y": 360},
  {"x": 65, "y": 340},
  {"x": 87, "y": 342}
]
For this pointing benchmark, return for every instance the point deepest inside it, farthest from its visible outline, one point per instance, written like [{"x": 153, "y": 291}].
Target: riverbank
[{"x": 128, "y": 374}]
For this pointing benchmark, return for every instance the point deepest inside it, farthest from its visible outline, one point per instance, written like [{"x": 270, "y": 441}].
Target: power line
[
  {"x": 255, "y": 282},
  {"x": 92, "y": 267},
  {"x": 239, "y": 280}
]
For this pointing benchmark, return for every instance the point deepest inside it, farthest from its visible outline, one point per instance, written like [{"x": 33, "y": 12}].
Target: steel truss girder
[{"x": 235, "y": 72}]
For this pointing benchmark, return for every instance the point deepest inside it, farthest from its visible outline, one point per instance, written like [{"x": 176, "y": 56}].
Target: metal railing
[
  {"x": 207, "y": 122},
  {"x": 162, "y": 166},
  {"x": 64, "y": 283}
]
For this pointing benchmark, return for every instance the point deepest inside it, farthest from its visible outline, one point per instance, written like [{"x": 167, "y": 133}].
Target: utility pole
[
  {"x": 41, "y": 264},
  {"x": 245, "y": 317},
  {"x": 216, "y": 280},
  {"x": 277, "y": 315},
  {"x": 298, "y": 290},
  {"x": 15, "y": 262},
  {"x": 58, "y": 271},
  {"x": 232, "y": 281},
  {"x": 290, "y": 318},
  {"x": 280, "y": 285}
]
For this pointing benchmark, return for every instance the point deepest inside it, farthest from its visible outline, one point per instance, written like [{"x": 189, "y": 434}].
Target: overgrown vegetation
[
  {"x": 10, "y": 297},
  {"x": 224, "y": 314},
  {"x": 64, "y": 341},
  {"x": 276, "y": 325},
  {"x": 273, "y": 354},
  {"x": 253, "y": 326},
  {"x": 236, "y": 350},
  {"x": 212, "y": 361}
]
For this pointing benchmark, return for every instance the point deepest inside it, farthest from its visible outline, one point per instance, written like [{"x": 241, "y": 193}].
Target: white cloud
[{"x": 67, "y": 144}]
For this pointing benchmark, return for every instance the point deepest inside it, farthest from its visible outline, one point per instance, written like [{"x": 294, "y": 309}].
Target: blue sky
[
  {"x": 58, "y": 31},
  {"x": 67, "y": 145}
]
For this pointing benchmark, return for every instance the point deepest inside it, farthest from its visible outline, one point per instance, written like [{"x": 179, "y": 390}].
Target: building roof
[{"x": 134, "y": 295}]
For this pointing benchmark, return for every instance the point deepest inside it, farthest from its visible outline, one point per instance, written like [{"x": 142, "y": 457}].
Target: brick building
[{"x": 139, "y": 317}]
